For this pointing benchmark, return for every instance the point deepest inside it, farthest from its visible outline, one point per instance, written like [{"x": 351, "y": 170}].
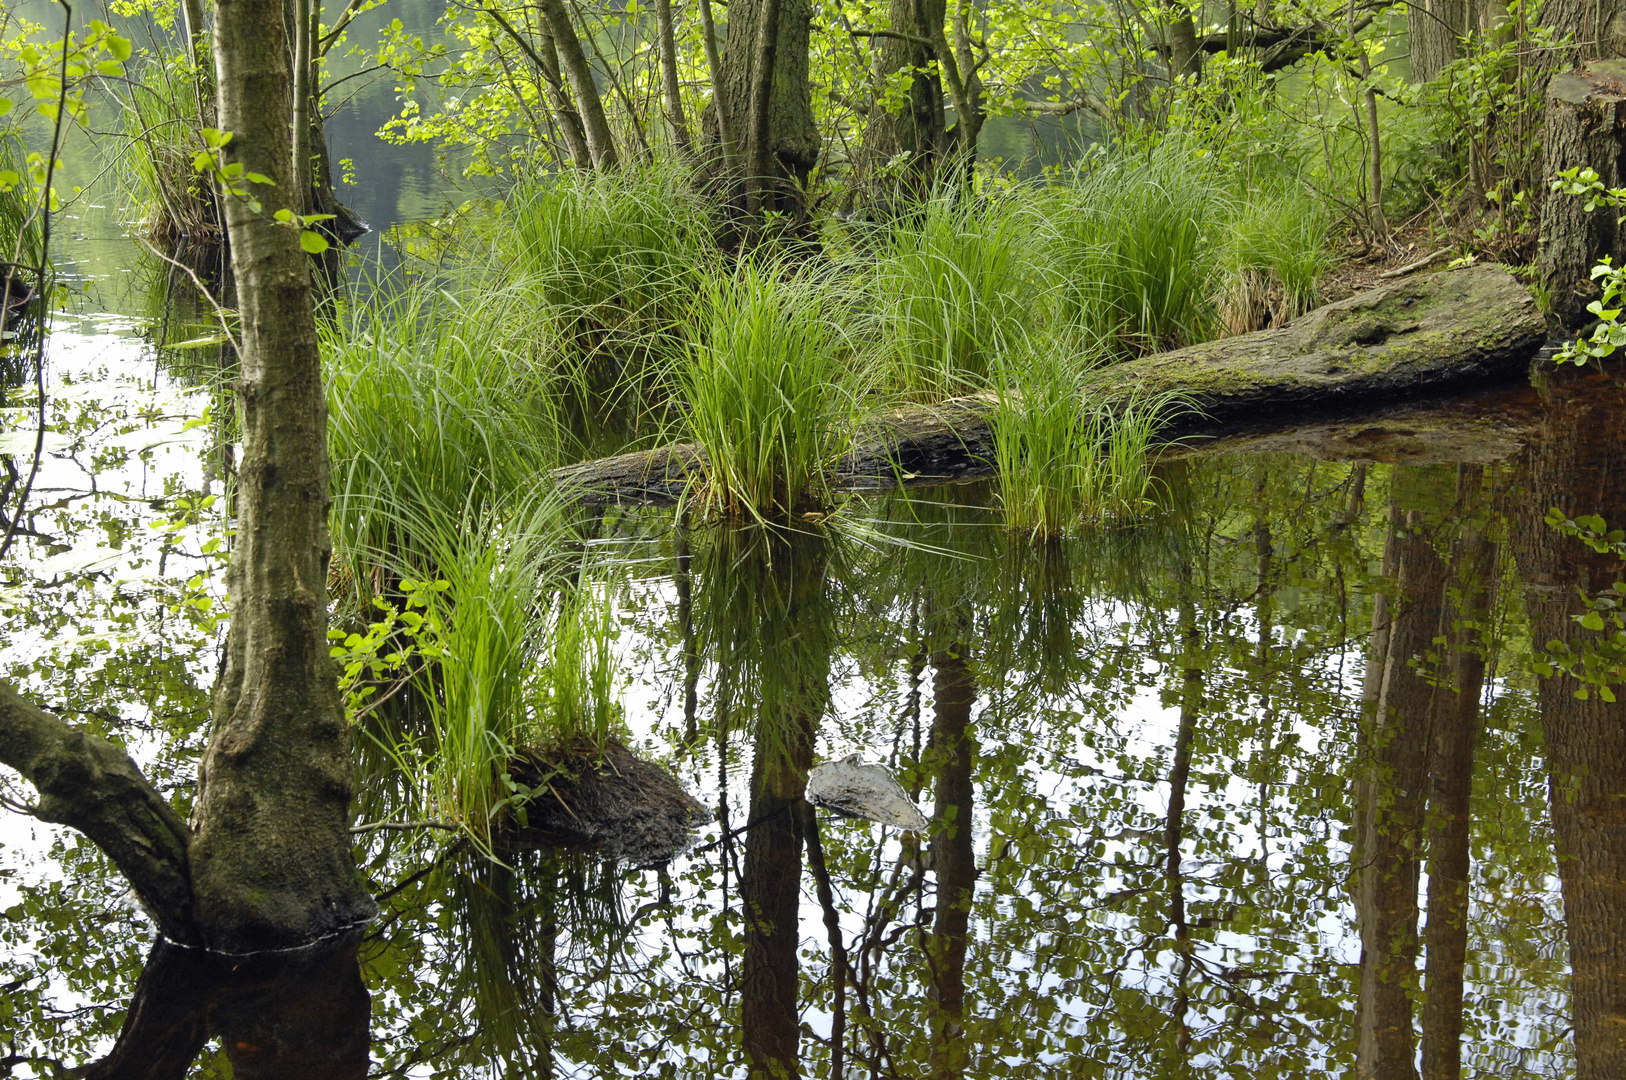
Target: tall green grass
[
  {"x": 613, "y": 262},
  {"x": 1275, "y": 259},
  {"x": 949, "y": 287},
  {"x": 162, "y": 128},
  {"x": 1134, "y": 242},
  {"x": 1063, "y": 457},
  {"x": 20, "y": 220},
  {"x": 432, "y": 406},
  {"x": 767, "y": 390}
]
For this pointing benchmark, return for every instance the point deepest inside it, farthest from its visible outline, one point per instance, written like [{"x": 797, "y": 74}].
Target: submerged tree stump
[
  {"x": 1461, "y": 328},
  {"x": 1585, "y": 128}
]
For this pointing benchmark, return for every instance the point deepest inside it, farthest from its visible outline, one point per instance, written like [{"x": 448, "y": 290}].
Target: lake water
[{"x": 1174, "y": 772}]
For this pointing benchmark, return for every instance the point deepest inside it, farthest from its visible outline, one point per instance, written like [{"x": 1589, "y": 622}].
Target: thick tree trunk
[
  {"x": 1451, "y": 771},
  {"x": 1585, "y": 127},
  {"x": 792, "y": 144},
  {"x": 1434, "y": 28},
  {"x": 579, "y": 71},
  {"x": 916, "y": 130},
  {"x": 271, "y": 856},
  {"x": 1580, "y": 467},
  {"x": 1393, "y": 789},
  {"x": 954, "y": 748},
  {"x": 1595, "y": 29}
]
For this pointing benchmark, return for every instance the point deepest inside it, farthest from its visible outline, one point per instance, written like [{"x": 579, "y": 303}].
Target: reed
[
  {"x": 162, "y": 127},
  {"x": 767, "y": 393},
  {"x": 948, "y": 289},
  {"x": 1133, "y": 243},
  {"x": 1065, "y": 458},
  {"x": 1275, "y": 259}
]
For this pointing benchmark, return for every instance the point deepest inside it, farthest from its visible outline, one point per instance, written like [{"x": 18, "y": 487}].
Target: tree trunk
[
  {"x": 1451, "y": 771},
  {"x": 1395, "y": 776},
  {"x": 579, "y": 71},
  {"x": 916, "y": 130},
  {"x": 1585, "y": 127},
  {"x": 671, "y": 90},
  {"x": 1595, "y": 29},
  {"x": 1579, "y": 466},
  {"x": 791, "y": 147},
  {"x": 758, "y": 128},
  {"x": 271, "y": 856},
  {"x": 1434, "y": 27},
  {"x": 564, "y": 110},
  {"x": 954, "y": 746},
  {"x": 1185, "y": 59}
]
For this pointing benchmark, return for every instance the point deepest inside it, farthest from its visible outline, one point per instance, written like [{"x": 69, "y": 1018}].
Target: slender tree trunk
[
  {"x": 1185, "y": 61},
  {"x": 301, "y": 23},
  {"x": 1451, "y": 769},
  {"x": 1191, "y": 703},
  {"x": 728, "y": 144},
  {"x": 579, "y": 71},
  {"x": 954, "y": 748},
  {"x": 671, "y": 90},
  {"x": 271, "y": 856},
  {"x": 1579, "y": 466},
  {"x": 564, "y": 110}
]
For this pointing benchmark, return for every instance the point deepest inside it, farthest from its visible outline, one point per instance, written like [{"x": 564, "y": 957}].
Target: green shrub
[
  {"x": 1133, "y": 243},
  {"x": 1062, "y": 457}
]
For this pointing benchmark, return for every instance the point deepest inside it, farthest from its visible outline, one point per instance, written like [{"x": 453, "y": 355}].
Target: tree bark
[
  {"x": 917, "y": 130},
  {"x": 792, "y": 143},
  {"x": 1579, "y": 466},
  {"x": 87, "y": 783},
  {"x": 759, "y": 119},
  {"x": 1585, "y": 127},
  {"x": 579, "y": 71},
  {"x": 671, "y": 90},
  {"x": 1434, "y": 28},
  {"x": 564, "y": 110},
  {"x": 1451, "y": 771},
  {"x": 1185, "y": 60},
  {"x": 271, "y": 859}
]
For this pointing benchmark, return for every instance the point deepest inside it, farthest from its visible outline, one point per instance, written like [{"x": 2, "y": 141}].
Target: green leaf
[
  {"x": 1591, "y": 620},
  {"x": 313, "y": 242}
]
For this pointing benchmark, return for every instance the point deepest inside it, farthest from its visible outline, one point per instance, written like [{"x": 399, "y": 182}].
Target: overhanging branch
[{"x": 87, "y": 783}]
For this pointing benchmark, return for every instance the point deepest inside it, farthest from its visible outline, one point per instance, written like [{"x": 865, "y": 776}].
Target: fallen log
[{"x": 1456, "y": 329}]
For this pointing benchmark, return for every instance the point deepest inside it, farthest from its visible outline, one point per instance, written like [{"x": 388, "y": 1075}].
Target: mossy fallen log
[{"x": 1457, "y": 329}]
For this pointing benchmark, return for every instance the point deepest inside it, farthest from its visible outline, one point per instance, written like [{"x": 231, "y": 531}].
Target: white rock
[{"x": 851, "y": 787}]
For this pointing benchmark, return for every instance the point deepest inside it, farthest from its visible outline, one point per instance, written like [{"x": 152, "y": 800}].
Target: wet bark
[
  {"x": 1455, "y": 731},
  {"x": 1585, "y": 126},
  {"x": 1579, "y": 466},
  {"x": 271, "y": 860},
  {"x": 1393, "y": 790},
  {"x": 304, "y": 1015},
  {"x": 953, "y": 745}
]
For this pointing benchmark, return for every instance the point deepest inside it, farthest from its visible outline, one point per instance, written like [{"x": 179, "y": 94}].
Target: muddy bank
[
  {"x": 1459, "y": 329},
  {"x": 609, "y": 801}
]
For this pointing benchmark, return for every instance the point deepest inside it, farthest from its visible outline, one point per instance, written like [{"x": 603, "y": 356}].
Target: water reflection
[{"x": 1185, "y": 783}]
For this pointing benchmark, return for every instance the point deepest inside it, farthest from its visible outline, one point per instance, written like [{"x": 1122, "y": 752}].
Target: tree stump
[{"x": 1585, "y": 127}]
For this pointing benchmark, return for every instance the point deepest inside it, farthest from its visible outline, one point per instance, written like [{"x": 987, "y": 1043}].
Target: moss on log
[{"x": 1465, "y": 328}]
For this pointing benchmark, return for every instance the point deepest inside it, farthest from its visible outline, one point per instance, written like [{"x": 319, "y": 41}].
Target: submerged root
[{"x": 606, "y": 799}]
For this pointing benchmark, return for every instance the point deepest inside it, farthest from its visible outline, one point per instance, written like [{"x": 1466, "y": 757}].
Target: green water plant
[
  {"x": 1133, "y": 242},
  {"x": 767, "y": 389},
  {"x": 1064, "y": 455},
  {"x": 1275, "y": 258},
  {"x": 612, "y": 260},
  {"x": 950, "y": 286}
]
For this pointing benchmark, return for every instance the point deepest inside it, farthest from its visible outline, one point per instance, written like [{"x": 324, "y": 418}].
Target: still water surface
[{"x": 1199, "y": 790}]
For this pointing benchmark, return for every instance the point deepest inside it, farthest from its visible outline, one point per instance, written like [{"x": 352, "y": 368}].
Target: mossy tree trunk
[
  {"x": 787, "y": 139},
  {"x": 271, "y": 857},
  {"x": 903, "y": 146}
]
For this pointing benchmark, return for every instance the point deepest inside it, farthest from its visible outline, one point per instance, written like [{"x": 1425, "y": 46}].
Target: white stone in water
[{"x": 851, "y": 787}]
